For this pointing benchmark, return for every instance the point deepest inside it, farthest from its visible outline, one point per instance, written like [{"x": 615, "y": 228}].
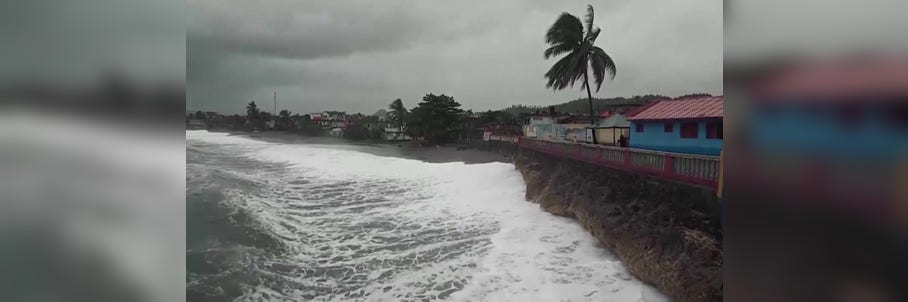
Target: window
[
  {"x": 689, "y": 130},
  {"x": 667, "y": 127},
  {"x": 714, "y": 130},
  {"x": 638, "y": 127}
]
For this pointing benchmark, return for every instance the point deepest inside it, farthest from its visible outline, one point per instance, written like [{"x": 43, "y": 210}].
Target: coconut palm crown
[{"x": 568, "y": 36}]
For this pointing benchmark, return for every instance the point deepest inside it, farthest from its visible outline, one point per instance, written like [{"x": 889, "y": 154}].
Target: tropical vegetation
[
  {"x": 434, "y": 117},
  {"x": 398, "y": 113}
]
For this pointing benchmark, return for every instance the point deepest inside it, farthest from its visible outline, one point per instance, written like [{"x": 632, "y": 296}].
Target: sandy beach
[{"x": 432, "y": 154}]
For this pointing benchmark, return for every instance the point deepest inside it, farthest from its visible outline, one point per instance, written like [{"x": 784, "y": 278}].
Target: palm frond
[
  {"x": 562, "y": 74},
  {"x": 589, "y": 18},
  {"x": 581, "y": 63},
  {"x": 601, "y": 63},
  {"x": 592, "y": 35},
  {"x": 567, "y": 30},
  {"x": 558, "y": 49}
]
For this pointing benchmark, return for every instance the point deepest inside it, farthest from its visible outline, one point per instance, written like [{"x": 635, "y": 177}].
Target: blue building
[{"x": 692, "y": 125}]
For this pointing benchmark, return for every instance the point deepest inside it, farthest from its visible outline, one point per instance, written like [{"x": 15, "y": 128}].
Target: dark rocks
[{"x": 666, "y": 234}]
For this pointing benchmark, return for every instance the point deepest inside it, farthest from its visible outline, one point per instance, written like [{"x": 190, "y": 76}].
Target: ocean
[{"x": 270, "y": 221}]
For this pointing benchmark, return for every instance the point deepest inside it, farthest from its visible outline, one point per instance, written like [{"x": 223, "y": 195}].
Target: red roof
[
  {"x": 639, "y": 109},
  {"x": 844, "y": 78},
  {"x": 689, "y": 108}
]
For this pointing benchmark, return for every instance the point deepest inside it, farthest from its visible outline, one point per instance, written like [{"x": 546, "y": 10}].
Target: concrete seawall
[
  {"x": 501, "y": 147},
  {"x": 667, "y": 234}
]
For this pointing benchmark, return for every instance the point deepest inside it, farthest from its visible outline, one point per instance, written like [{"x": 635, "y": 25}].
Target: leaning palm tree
[
  {"x": 398, "y": 113},
  {"x": 567, "y": 35},
  {"x": 252, "y": 111}
]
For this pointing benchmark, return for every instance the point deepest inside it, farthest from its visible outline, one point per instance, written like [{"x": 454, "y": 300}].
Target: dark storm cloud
[
  {"x": 76, "y": 42},
  {"x": 298, "y": 30},
  {"x": 360, "y": 55}
]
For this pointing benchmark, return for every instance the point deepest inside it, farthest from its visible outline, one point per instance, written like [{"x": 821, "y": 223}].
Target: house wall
[
  {"x": 195, "y": 124},
  {"x": 570, "y": 132},
  {"x": 544, "y": 131},
  {"x": 610, "y": 136},
  {"x": 537, "y": 123},
  {"x": 790, "y": 128},
  {"x": 654, "y": 137},
  {"x": 395, "y": 134},
  {"x": 529, "y": 131}
]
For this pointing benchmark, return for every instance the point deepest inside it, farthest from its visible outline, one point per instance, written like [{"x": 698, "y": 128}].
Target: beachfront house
[
  {"x": 539, "y": 126},
  {"x": 395, "y": 134},
  {"x": 691, "y": 125},
  {"x": 609, "y": 129},
  {"x": 319, "y": 119},
  {"x": 196, "y": 124},
  {"x": 329, "y": 119},
  {"x": 830, "y": 130}
]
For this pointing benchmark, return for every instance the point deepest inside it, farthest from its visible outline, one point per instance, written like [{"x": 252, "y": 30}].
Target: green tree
[
  {"x": 253, "y": 116},
  {"x": 567, "y": 35},
  {"x": 305, "y": 125},
  {"x": 398, "y": 113},
  {"x": 694, "y": 95},
  {"x": 434, "y": 117},
  {"x": 265, "y": 116},
  {"x": 200, "y": 115},
  {"x": 502, "y": 117},
  {"x": 252, "y": 111},
  {"x": 357, "y": 132},
  {"x": 283, "y": 120}
]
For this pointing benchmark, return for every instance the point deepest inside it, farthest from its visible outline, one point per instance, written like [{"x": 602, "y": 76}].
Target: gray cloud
[
  {"x": 298, "y": 30},
  {"x": 765, "y": 29},
  {"x": 360, "y": 55},
  {"x": 77, "y": 42}
]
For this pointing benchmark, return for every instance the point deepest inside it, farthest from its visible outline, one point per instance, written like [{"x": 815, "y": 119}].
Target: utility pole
[{"x": 275, "y": 103}]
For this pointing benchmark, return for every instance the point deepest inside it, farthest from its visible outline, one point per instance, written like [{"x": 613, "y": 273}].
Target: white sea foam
[{"x": 390, "y": 228}]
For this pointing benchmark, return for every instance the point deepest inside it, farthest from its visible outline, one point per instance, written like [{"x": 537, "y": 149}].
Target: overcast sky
[{"x": 358, "y": 56}]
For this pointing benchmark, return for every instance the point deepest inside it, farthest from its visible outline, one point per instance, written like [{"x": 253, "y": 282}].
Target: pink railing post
[
  {"x": 669, "y": 164},
  {"x": 627, "y": 157}
]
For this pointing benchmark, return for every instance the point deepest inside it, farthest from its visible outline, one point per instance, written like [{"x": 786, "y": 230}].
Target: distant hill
[{"x": 581, "y": 106}]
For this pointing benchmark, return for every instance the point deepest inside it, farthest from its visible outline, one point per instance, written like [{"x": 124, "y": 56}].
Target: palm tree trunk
[{"x": 590, "y": 96}]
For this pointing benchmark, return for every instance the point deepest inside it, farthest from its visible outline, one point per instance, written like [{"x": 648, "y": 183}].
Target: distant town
[{"x": 687, "y": 124}]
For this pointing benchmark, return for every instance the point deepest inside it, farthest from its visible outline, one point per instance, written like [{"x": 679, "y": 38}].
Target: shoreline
[
  {"x": 632, "y": 227},
  {"x": 402, "y": 149}
]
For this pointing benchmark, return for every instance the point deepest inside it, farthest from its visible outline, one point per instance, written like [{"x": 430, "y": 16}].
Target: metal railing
[{"x": 697, "y": 170}]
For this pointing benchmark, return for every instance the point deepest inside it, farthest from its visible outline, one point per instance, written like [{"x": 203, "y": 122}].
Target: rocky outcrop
[{"x": 666, "y": 234}]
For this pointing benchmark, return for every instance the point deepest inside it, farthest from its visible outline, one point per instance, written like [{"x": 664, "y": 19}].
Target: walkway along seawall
[{"x": 664, "y": 228}]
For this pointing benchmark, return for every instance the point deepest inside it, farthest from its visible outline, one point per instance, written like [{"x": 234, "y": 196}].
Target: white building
[
  {"x": 395, "y": 134},
  {"x": 538, "y": 126}
]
